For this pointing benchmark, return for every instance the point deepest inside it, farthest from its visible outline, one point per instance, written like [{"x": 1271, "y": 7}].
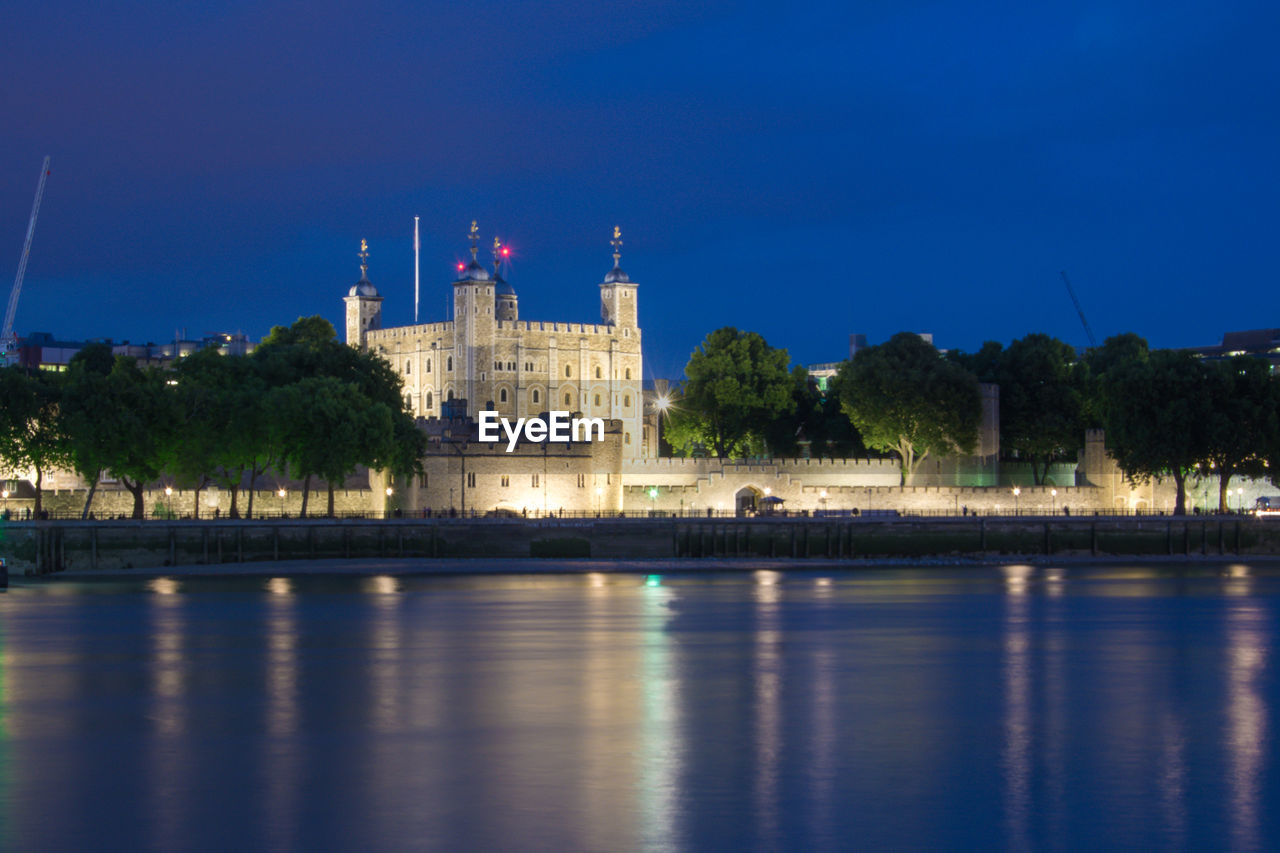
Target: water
[{"x": 989, "y": 708}]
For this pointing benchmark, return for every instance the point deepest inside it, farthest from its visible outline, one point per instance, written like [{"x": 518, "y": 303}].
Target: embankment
[{"x": 41, "y": 547}]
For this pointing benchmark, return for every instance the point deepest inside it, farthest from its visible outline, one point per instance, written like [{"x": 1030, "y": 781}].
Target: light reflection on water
[{"x": 981, "y": 708}]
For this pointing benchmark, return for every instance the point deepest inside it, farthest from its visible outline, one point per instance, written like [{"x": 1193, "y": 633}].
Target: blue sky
[{"x": 804, "y": 170}]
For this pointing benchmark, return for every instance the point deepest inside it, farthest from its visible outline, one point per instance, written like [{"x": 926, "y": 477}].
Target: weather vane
[
  {"x": 474, "y": 237},
  {"x": 616, "y": 243},
  {"x": 364, "y": 258},
  {"x": 497, "y": 256}
]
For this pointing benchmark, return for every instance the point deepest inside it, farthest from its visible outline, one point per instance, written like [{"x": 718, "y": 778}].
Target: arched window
[
  {"x": 502, "y": 395},
  {"x": 628, "y": 376},
  {"x": 535, "y": 395},
  {"x": 428, "y": 400},
  {"x": 597, "y": 399},
  {"x": 407, "y": 367},
  {"x": 448, "y": 365},
  {"x": 597, "y": 371},
  {"x": 566, "y": 398},
  {"x": 449, "y": 396},
  {"x": 628, "y": 438},
  {"x": 567, "y": 371},
  {"x": 626, "y": 401},
  {"x": 428, "y": 365}
]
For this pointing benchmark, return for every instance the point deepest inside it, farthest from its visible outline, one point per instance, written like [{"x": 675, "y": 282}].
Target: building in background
[{"x": 42, "y": 350}]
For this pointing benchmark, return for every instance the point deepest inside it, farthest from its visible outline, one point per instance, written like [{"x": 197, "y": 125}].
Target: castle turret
[
  {"x": 473, "y": 328},
  {"x": 364, "y": 305},
  {"x": 618, "y": 291}
]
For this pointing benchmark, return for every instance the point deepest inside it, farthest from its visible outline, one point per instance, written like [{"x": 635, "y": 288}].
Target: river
[{"x": 1003, "y": 707}]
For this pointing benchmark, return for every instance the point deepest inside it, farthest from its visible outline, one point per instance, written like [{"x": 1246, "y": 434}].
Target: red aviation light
[
  {"x": 461, "y": 266},
  {"x": 505, "y": 251}
]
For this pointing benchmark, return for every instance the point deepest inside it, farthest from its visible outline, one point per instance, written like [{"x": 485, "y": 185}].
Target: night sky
[{"x": 804, "y": 170}]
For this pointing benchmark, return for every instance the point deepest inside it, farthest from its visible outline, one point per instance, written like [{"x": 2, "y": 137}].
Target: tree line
[
  {"x": 1164, "y": 412},
  {"x": 302, "y": 403}
]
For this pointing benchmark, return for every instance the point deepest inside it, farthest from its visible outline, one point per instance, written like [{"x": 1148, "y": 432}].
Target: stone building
[{"x": 486, "y": 358}]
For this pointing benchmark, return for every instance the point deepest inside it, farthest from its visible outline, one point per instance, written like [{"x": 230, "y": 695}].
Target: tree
[
  {"x": 1158, "y": 412},
  {"x": 736, "y": 384},
  {"x": 86, "y": 409},
  {"x": 31, "y": 428},
  {"x": 1041, "y": 401},
  {"x": 816, "y": 418},
  {"x": 138, "y": 419},
  {"x": 904, "y": 397},
  {"x": 1242, "y": 419}
]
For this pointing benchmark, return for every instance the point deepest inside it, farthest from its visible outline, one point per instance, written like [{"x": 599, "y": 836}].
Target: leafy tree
[
  {"x": 31, "y": 429},
  {"x": 86, "y": 409},
  {"x": 1158, "y": 412},
  {"x": 816, "y": 418},
  {"x": 1118, "y": 352},
  {"x": 1242, "y": 419},
  {"x": 138, "y": 420},
  {"x": 736, "y": 383},
  {"x": 1041, "y": 401},
  {"x": 984, "y": 364},
  {"x": 904, "y": 397}
]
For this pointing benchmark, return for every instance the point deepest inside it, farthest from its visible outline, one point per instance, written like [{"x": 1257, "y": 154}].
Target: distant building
[
  {"x": 42, "y": 350},
  {"x": 1263, "y": 343}
]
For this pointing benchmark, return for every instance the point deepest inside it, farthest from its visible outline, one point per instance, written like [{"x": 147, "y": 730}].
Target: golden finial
[
  {"x": 364, "y": 259},
  {"x": 474, "y": 237},
  {"x": 616, "y": 243}
]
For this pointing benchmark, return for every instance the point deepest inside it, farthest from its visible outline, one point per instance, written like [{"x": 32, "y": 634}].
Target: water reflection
[
  {"x": 281, "y": 763},
  {"x": 767, "y": 678},
  {"x": 1248, "y": 636},
  {"x": 661, "y": 749},
  {"x": 168, "y": 713},
  {"x": 1015, "y": 753}
]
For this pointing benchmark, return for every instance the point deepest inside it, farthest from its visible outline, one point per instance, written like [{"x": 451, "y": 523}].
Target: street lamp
[
  {"x": 1016, "y": 491},
  {"x": 653, "y": 499},
  {"x": 822, "y": 497},
  {"x": 281, "y": 494},
  {"x": 168, "y": 493},
  {"x": 1053, "y": 493},
  {"x": 1240, "y": 498},
  {"x": 599, "y": 493}
]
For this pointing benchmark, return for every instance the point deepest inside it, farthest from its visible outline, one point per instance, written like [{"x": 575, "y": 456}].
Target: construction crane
[
  {"x": 8, "y": 341},
  {"x": 1071, "y": 291}
]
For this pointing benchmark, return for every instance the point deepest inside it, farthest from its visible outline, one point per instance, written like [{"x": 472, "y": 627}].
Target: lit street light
[
  {"x": 1016, "y": 491},
  {"x": 168, "y": 493},
  {"x": 1053, "y": 494},
  {"x": 280, "y": 494}
]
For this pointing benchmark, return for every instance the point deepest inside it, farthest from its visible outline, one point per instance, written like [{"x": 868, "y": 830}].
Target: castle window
[
  {"x": 626, "y": 333},
  {"x": 528, "y": 365},
  {"x": 628, "y": 439},
  {"x": 408, "y": 365},
  {"x": 582, "y": 481},
  {"x": 471, "y": 480},
  {"x": 450, "y": 397},
  {"x": 429, "y": 401},
  {"x": 502, "y": 395},
  {"x": 597, "y": 371},
  {"x": 448, "y": 365},
  {"x": 408, "y": 402},
  {"x": 533, "y": 481},
  {"x": 506, "y": 480},
  {"x": 566, "y": 399},
  {"x": 626, "y": 401},
  {"x": 567, "y": 372},
  {"x": 428, "y": 365},
  {"x": 597, "y": 399},
  {"x": 422, "y": 480},
  {"x": 628, "y": 373},
  {"x": 535, "y": 395},
  {"x": 497, "y": 365}
]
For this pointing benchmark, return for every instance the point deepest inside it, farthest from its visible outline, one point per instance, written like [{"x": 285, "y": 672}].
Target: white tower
[{"x": 364, "y": 305}]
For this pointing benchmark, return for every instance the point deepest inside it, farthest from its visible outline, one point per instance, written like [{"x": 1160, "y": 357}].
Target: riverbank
[
  {"x": 532, "y": 566},
  {"x": 43, "y": 547}
]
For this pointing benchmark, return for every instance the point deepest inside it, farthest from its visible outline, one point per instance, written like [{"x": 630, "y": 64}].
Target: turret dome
[{"x": 473, "y": 272}]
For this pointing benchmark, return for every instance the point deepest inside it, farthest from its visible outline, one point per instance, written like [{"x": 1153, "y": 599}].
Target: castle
[{"x": 487, "y": 359}]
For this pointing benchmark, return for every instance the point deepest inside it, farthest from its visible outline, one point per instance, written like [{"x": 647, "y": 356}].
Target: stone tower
[
  {"x": 364, "y": 305},
  {"x": 473, "y": 331},
  {"x": 617, "y": 291}
]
